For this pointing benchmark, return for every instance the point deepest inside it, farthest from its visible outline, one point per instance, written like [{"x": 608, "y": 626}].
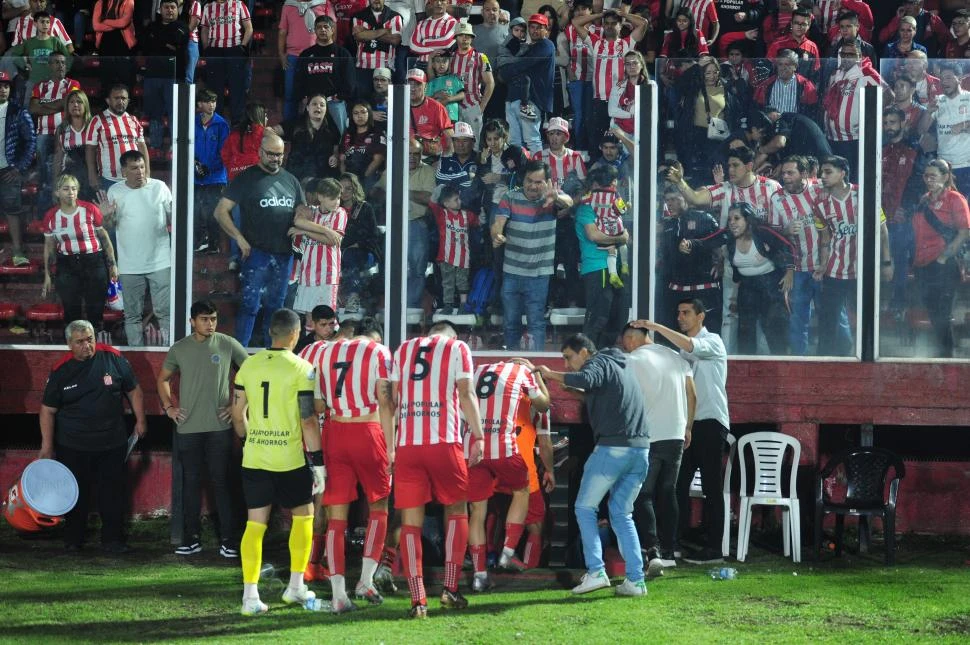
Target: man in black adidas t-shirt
[
  {"x": 82, "y": 423},
  {"x": 269, "y": 198}
]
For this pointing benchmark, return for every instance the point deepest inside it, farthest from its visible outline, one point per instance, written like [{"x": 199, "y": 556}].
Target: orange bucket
[{"x": 45, "y": 491}]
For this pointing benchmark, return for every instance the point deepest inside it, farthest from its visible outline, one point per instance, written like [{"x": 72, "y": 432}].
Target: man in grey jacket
[{"x": 619, "y": 461}]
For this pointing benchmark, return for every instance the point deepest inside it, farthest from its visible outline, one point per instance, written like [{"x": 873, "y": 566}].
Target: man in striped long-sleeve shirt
[
  {"x": 525, "y": 222},
  {"x": 435, "y": 32}
]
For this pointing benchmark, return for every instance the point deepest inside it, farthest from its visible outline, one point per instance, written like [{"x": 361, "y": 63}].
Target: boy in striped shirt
[
  {"x": 318, "y": 276},
  {"x": 454, "y": 247}
]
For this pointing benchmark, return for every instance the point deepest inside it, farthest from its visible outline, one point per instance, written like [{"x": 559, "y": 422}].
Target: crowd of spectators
[{"x": 500, "y": 89}]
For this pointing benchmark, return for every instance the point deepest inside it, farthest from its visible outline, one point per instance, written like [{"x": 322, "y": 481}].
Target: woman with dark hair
[
  {"x": 684, "y": 40},
  {"x": 240, "y": 151},
  {"x": 941, "y": 225},
  {"x": 622, "y": 99},
  {"x": 706, "y": 115},
  {"x": 361, "y": 246},
  {"x": 558, "y": 79},
  {"x": 764, "y": 269},
  {"x": 314, "y": 141},
  {"x": 363, "y": 147},
  {"x": 115, "y": 37}
]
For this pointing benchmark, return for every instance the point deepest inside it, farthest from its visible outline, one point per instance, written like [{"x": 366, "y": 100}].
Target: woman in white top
[
  {"x": 622, "y": 99},
  {"x": 764, "y": 270}
]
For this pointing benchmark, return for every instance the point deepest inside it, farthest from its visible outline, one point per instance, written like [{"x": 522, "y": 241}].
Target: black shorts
[{"x": 288, "y": 489}]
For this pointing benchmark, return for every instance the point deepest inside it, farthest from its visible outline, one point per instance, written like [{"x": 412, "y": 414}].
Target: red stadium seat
[
  {"x": 45, "y": 312},
  {"x": 263, "y": 12},
  {"x": 35, "y": 228},
  {"x": 9, "y": 310},
  {"x": 113, "y": 316},
  {"x": 29, "y": 189},
  {"x": 4, "y": 227},
  {"x": 8, "y": 269},
  {"x": 92, "y": 62}
]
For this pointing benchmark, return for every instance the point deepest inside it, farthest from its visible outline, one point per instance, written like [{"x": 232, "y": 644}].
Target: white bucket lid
[{"x": 49, "y": 487}]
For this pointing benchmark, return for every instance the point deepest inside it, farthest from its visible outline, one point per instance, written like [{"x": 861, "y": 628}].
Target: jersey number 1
[{"x": 265, "y": 386}]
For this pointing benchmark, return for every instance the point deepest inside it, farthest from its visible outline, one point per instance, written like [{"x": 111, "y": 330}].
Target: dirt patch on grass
[
  {"x": 776, "y": 602},
  {"x": 951, "y": 625},
  {"x": 847, "y": 621}
]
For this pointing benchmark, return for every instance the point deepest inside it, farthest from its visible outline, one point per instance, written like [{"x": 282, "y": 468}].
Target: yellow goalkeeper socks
[
  {"x": 301, "y": 541},
  {"x": 251, "y": 551}
]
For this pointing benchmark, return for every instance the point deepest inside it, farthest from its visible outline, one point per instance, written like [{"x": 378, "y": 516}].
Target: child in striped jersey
[
  {"x": 454, "y": 247},
  {"x": 609, "y": 209},
  {"x": 319, "y": 238}
]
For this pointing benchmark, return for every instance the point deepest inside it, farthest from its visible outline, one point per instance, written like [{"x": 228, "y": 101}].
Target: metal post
[
  {"x": 869, "y": 197},
  {"x": 643, "y": 258},
  {"x": 396, "y": 215}
]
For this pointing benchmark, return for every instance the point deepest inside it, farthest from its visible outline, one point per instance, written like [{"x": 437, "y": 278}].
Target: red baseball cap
[
  {"x": 539, "y": 19},
  {"x": 6, "y": 77}
]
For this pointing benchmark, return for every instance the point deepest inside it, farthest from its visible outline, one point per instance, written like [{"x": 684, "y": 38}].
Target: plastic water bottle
[
  {"x": 723, "y": 573},
  {"x": 316, "y": 604}
]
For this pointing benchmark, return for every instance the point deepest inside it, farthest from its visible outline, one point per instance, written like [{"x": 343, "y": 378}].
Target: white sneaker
[
  {"x": 298, "y": 596},
  {"x": 253, "y": 607},
  {"x": 342, "y": 605},
  {"x": 655, "y": 568},
  {"x": 627, "y": 588},
  {"x": 592, "y": 582}
]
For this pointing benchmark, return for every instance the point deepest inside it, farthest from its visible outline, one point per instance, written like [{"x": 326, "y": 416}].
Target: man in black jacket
[
  {"x": 165, "y": 45},
  {"x": 328, "y": 69}
]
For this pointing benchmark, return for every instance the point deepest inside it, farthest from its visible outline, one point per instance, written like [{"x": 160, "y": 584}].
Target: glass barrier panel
[
  {"x": 310, "y": 232},
  {"x": 923, "y": 312},
  {"x": 84, "y": 241}
]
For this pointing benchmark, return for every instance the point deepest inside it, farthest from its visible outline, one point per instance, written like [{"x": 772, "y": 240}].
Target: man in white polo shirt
[
  {"x": 141, "y": 210},
  {"x": 705, "y": 449},
  {"x": 667, "y": 384}
]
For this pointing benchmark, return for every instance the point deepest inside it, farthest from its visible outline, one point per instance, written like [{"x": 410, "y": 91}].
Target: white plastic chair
[
  {"x": 768, "y": 450},
  {"x": 697, "y": 490}
]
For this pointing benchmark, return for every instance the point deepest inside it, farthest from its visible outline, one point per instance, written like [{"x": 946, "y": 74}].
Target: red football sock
[
  {"x": 376, "y": 532},
  {"x": 411, "y": 563},
  {"x": 316, "y": 548},
  {"x": 388, "y": 556},
  {"x": 478, "y": 557},
  {"x": 513, "y": 533},
  {"x": 533, "y": 550},
  {"x": 336, "y": 551},
  {"x": 456, "y": 543}
]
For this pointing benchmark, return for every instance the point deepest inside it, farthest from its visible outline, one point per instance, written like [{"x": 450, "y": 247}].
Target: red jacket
[
  {"x": 125, "y": 23},
  {"x": 236, "y": 160}
]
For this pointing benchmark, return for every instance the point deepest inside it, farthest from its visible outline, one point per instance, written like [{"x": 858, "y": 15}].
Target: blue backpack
[{"x": 482, "y": 291}]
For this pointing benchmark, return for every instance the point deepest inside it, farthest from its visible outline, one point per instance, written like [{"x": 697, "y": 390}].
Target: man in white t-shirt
[
  {"x": 667, "y": 383},
  {"x": 952, "y": 119},
  {"x": 140, "y": 210}
]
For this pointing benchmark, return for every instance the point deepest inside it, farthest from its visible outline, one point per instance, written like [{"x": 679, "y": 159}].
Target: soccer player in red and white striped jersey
[
  {"x": 501, "y": 388},
  {"x": 109, "y": 135},
  {"x": 432, "y": 380},
  {"x": 25, "y": 28},
  {"x": 358, "y": 448},
  {"x": 561, "y": 160},
  {"x": 435, "y": 32}
]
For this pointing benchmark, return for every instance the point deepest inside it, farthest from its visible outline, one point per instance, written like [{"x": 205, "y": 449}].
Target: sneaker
[
  {"x": 189, "y": 549},
  {"x": 253, "y": 607},
  {"x": 627, "y": 588},
  {"x": 616, "y": 281},
  {"x": 342, "y": 605},
  {"x": 560, "y": 272},
  {"x": 528, "y": 111},
  {"x": 418, "y": 611},
  {"x": 481, "y": 584},
  {"x": 453, "y": 599},
  {"x": 384, "y": 579},
  {"x": 19, "y": 260},
  {"x": 511, "y": 563},
  {"x": 368, "y": 593},
  {"x": 655, "y": 568},
  {"x": 592, "y": 582},
  {"x": 229, "y": 552},
  {"x": 353, "y": 304},
  {"x": 202, "y": 246},
  {"x": 705, "y": 556},
  {"x": 297, "y": 596}
]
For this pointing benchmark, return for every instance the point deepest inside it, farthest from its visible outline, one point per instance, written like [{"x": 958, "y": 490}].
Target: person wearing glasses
[
  {"x": 958, "y": 46},
  {"x": 270, "y": 201},
  {"x": 798, "y": 42}
]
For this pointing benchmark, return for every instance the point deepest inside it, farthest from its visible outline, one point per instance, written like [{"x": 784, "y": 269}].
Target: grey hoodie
[{"x": 613, "y": 400}]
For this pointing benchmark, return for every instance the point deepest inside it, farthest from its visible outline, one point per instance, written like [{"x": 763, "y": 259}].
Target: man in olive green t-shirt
[
  {"x": 37, "y": 50},
  {"x": 203, "y": 422}
]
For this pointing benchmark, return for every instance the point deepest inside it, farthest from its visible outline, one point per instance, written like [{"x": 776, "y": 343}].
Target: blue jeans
[
  {"x": 262, "y": 284},
  {"x": 961, "y": 176},
  {"x": 289, "y": 88},
  {"x": 417, "y": 260},
  {"x": 158, "y": 105},
  {"x": 521, "y": 295},
  {"x": 902, "y": 246},
  {"x": 619, "y": 471},
  {"x": 805, "y": 292},
  {"x": 581, "y": 99},
  {"x": 338, "y": 112},
  {"x": 836, "y": 296},
  {"x": 524, "y": 132},
  {"x": 45, "y": 163},
  {"x": 233, "y": 244},
  {"x": 193, "y": 60}
]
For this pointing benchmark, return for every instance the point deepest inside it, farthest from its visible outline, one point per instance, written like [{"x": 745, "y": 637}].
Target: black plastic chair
[{"x": 866, "y": 470}]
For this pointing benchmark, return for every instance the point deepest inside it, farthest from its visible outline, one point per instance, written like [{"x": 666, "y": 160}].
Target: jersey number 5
[{"x": 422, "y": 362}]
